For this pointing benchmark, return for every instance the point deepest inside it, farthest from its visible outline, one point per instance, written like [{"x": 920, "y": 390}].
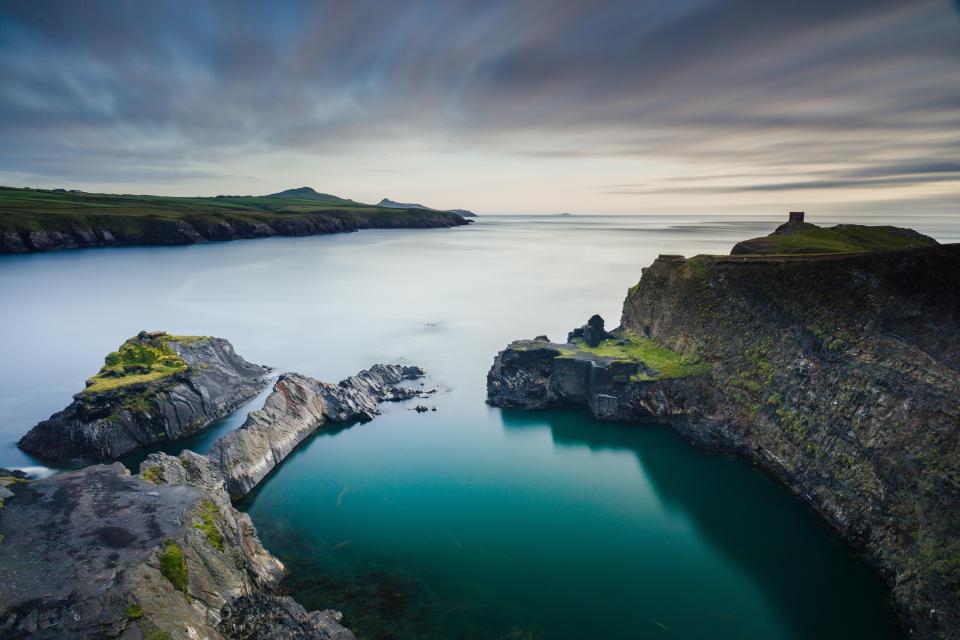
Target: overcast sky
[{"x": 634, "y": 106}]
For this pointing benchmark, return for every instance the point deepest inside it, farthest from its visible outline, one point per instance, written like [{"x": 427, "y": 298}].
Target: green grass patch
[
  {"x": 209, "y": 512},
  {"x": 153, "y": 475},
  {"x": 843, "y": 238},
  {"x": 173, "y": 565},
  {"x": 133, "y": 611},
  {"x": 138, "y": 361},
  {"x": 664, "y": 362}
]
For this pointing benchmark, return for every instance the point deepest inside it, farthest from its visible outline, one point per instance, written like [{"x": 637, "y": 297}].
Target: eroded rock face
[
  {"x": 299, "y": 406},
  {"x": 99, "y": 231},
  {"x": 839, "y": 375},
  {"x": 98, "y": 553},
  {"x": 104, "y": 425}
]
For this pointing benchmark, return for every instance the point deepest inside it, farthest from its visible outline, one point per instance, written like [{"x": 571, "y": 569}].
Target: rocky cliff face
[
  {"x": 837, "y": 374},
  {"x": 298, "y": 407},
  {"x": 98, "y": 553},
  {"x": 156, "y": 388},
  {"x": 105, "y": 231}
]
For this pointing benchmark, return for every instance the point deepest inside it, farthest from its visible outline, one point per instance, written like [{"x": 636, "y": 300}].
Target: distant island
[
  {"x": 391, "y": 204},
  {"x": 826, "y": 356},
  {"x": 51, "y": 219}
]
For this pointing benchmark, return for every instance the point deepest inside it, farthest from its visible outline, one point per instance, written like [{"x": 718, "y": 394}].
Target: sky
[{"x": 522, "y": 106}]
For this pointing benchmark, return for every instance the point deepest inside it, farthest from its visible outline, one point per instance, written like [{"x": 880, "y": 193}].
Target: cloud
[{"x": 818, "y": 95}]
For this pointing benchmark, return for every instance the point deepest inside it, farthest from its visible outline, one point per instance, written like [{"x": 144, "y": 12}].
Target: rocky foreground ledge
[
  {"x": 163, "y": 555},
  {"x": 156, "y": 387},
  {"x": 838, "y": 374},
  {"x": 98, "y": 553}
]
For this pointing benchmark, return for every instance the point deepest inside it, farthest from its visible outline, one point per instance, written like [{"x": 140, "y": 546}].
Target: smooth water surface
[{"x": 467, "y": 522}]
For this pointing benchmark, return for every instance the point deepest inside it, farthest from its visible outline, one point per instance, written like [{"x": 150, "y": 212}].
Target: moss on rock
[{"x": 173, "y": 565}]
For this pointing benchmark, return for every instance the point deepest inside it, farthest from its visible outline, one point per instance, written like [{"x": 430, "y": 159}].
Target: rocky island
[
  {"x": 835, "y": 368},
  {"x": 51, "y": 219},
  {"x": 156, "y": 387},
  {"x": 164, "y": 555}
]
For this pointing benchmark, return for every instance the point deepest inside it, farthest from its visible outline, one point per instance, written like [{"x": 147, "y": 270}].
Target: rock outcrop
[
  {"x": 157, "y": 387},
  {"x": 839, "y": 375},
  {"x": 98, "y": 553},
  {"x": 297, "y": 407}
]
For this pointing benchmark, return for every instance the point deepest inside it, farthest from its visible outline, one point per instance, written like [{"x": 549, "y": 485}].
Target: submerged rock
[
  {"x": 157, "y": 387},
  {"x": 839, "y": 375}
]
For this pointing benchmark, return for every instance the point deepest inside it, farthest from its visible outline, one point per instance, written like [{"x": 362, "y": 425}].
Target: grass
[
  {"x": 153, "y": 475},
  {"x": 209, "y": 512},
  {"x": 663, "y": 362},
  {"x": 845, "y": 238},
  {"x": 173, "y": 565},
  {"x": 132, "y": 218},
  {"x": 134, "y": 611},
  {"x": 138, "y": 361}
]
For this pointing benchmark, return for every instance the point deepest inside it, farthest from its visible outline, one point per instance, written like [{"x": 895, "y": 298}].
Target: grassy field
[
  {"x": 141, "y": 218},
  {"x": 844, "y": 238}
]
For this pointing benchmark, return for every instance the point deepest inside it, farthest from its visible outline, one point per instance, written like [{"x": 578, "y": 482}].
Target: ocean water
[{"x": 467, "y": 522}]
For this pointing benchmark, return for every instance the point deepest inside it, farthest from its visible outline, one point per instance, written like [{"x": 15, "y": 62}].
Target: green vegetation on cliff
[
  {"x": 173, "y": 565},
  {"x": 803, "y": 237},
  {"x": 138, "y": 361},
  {"x": 657, "y": 362},
  {"x": 208, "y": 512},
  {"x": 40, "y": 220}
]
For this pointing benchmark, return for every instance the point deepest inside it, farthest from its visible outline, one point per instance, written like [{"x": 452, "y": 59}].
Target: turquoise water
[{"x": 468, "y": 522}]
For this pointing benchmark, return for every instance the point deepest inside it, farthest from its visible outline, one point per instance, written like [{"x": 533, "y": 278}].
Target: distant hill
[
  {"x": 308, "y": 193},
  {"x": 48, "y": 219},
  {"x": 391, "y": 204}
]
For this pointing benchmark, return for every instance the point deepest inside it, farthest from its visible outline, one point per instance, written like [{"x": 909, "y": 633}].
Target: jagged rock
[
  {"x": 261, "y": 616},
  {"x": 838, "y": 374},
  {"x": 193, "y": 381},
  {"x": 591, "y": 333},
  {"x": 296, "y": 408},
  {"x": 98, "y": 553}
]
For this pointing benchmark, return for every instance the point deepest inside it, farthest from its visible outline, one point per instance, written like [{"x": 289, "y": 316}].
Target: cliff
[
  {"x": 98, "y": 553},
  {"x": 297, "y": 407},
  {"x": 47, "y": 220},
  {"x": 157, "y": 387},
  {"x": 838, "y": 374}
]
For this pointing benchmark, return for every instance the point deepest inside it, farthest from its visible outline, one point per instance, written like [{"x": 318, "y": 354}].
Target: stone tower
[{"x": 796, "y": 216}]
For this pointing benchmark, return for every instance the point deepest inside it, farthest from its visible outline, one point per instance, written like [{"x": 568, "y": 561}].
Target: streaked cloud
[{"x": 685, "y": 104}]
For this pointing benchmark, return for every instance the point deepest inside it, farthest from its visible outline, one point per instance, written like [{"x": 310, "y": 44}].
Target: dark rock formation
[
  {"x": 156, "y": 388},
  {"x": 298, "y": 406},
  {"x": 260, "y": 616},
  {"x": 839, "y": 375},
  {"x": 591, "y": 333},
  {"x": 98, "y": 553}
]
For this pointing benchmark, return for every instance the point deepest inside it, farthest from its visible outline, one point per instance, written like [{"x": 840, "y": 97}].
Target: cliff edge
[{"x": 838, "y": 374}]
